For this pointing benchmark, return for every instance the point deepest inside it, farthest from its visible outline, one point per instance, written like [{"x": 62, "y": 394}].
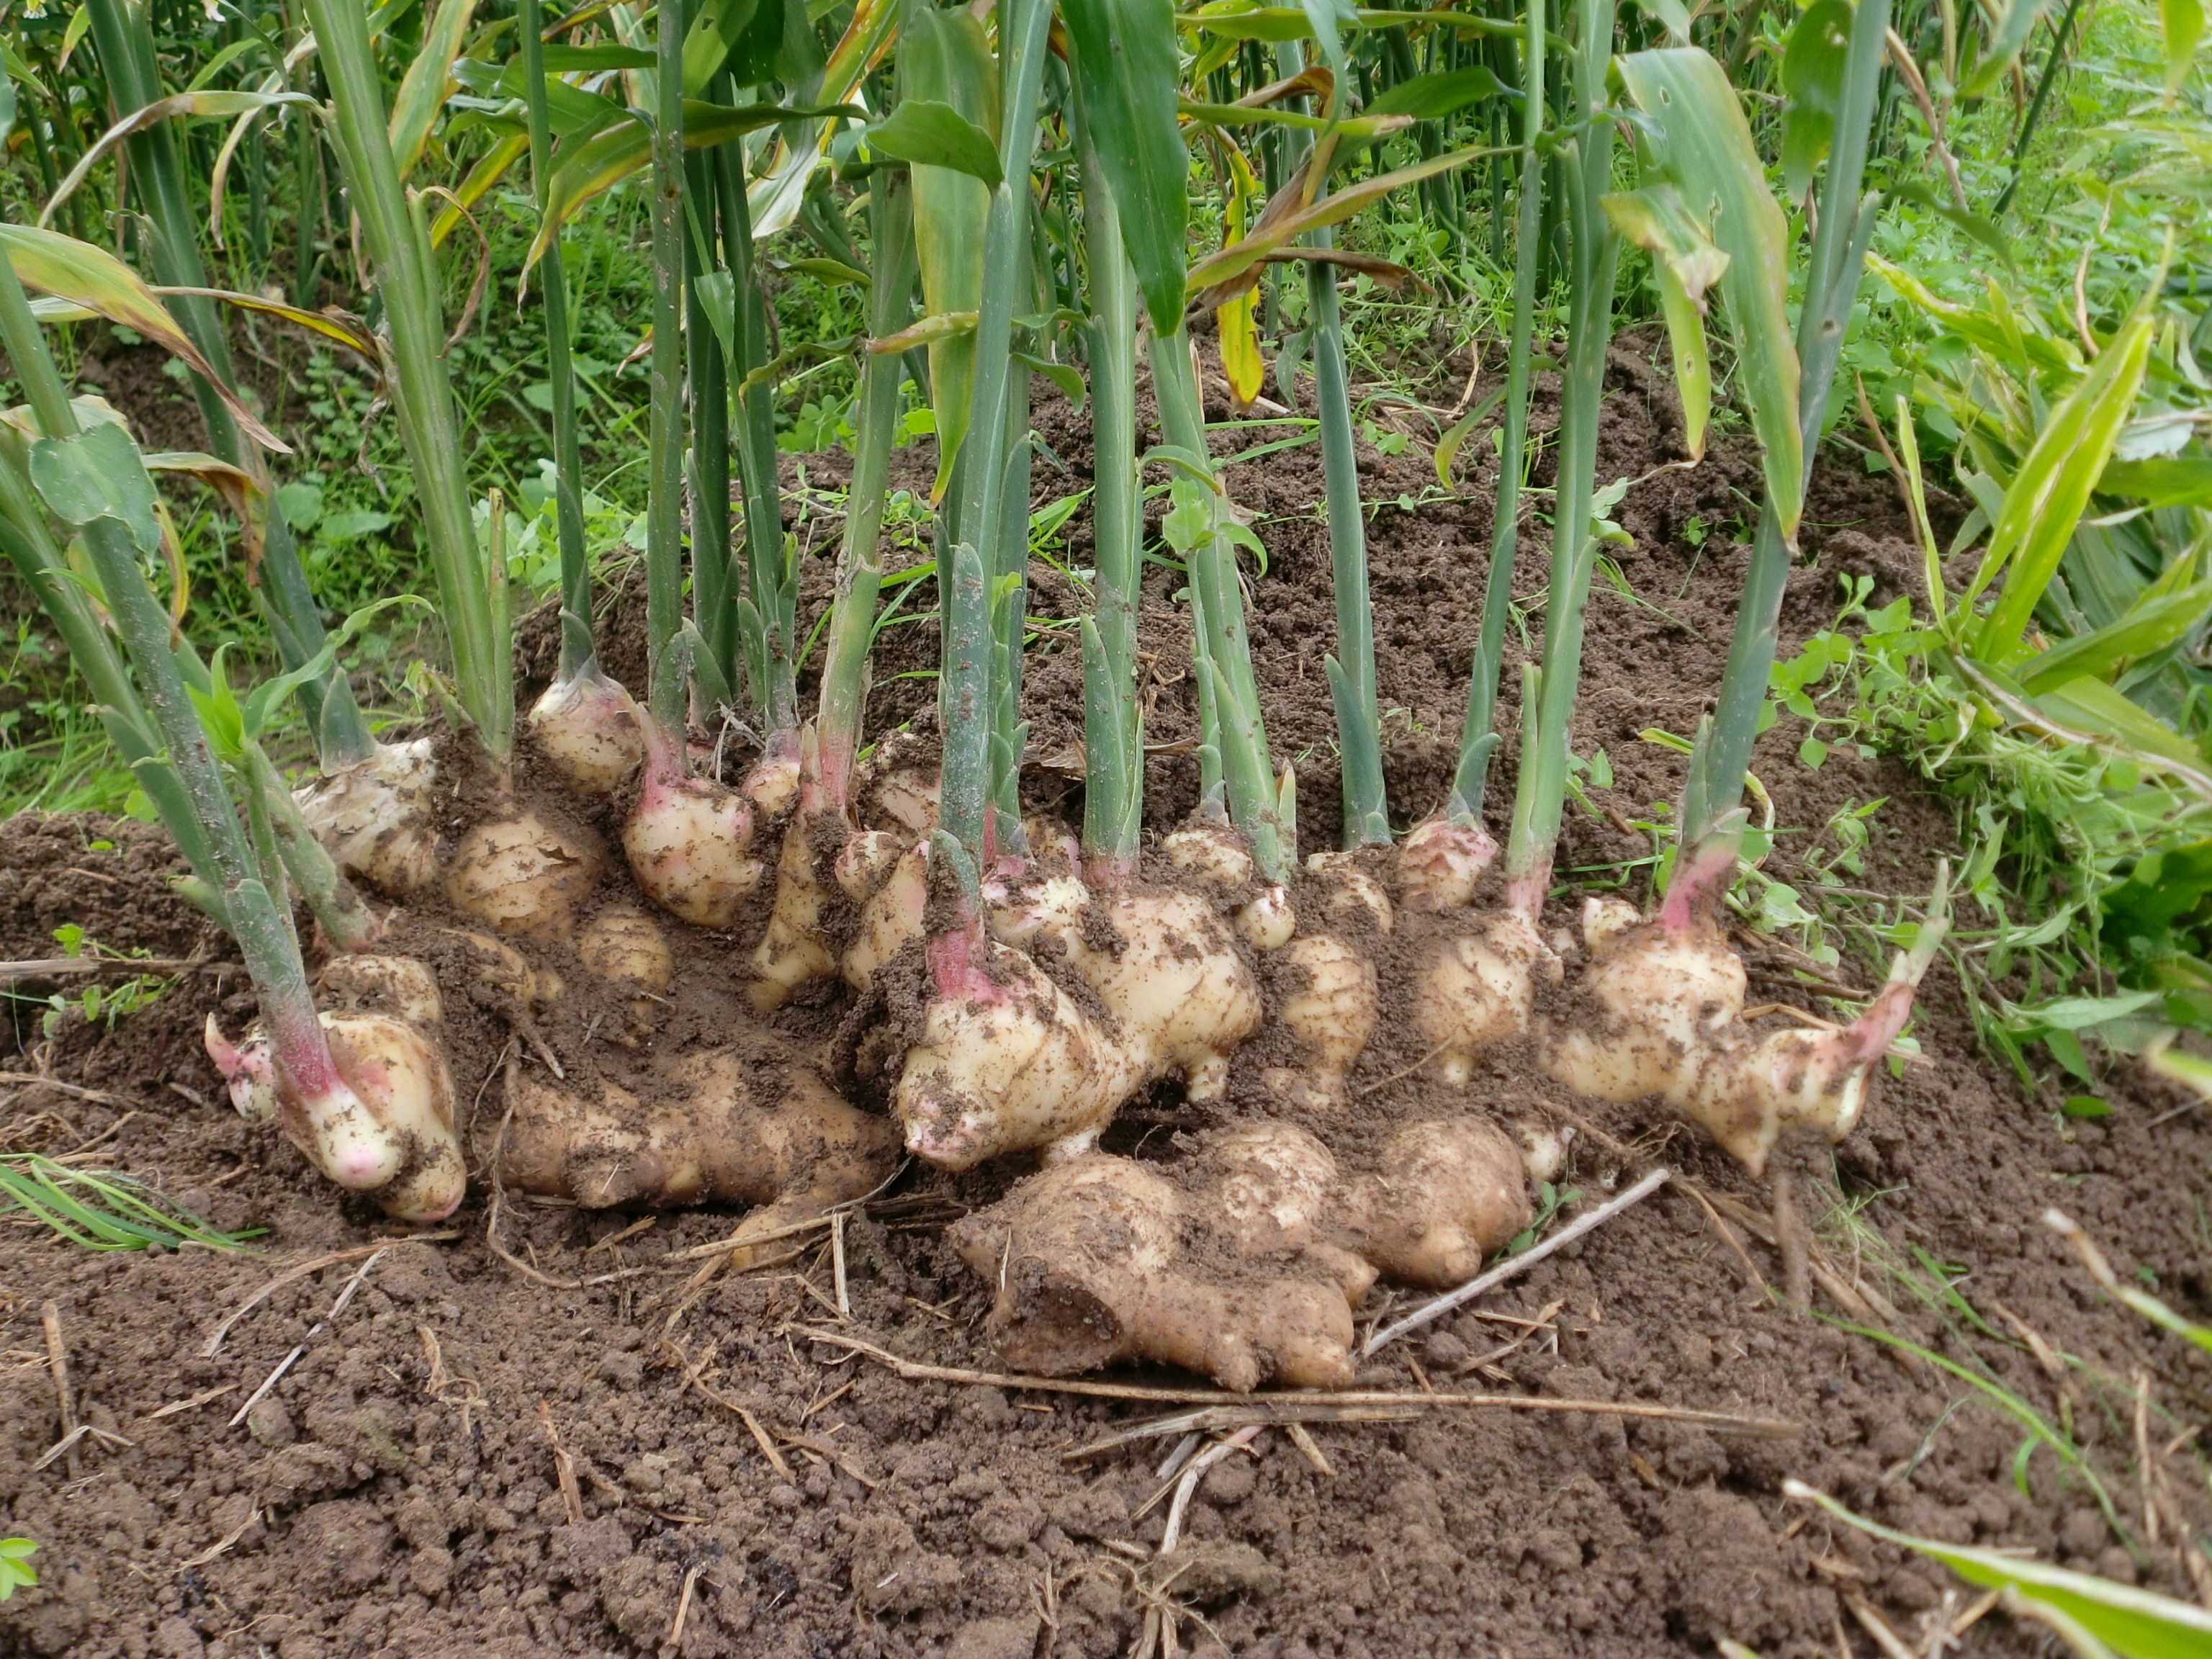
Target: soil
[{"x": 483, "y": 1456}]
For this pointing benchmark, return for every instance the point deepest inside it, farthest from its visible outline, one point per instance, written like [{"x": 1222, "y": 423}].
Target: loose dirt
[{"x": 475, "y": 1459}]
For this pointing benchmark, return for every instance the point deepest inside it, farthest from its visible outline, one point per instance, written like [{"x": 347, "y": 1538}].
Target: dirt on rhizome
[{"x": 595, "y": 1444}]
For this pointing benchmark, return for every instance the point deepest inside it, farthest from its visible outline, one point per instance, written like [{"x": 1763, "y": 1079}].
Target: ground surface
[{"x": 398, "y": 1493}]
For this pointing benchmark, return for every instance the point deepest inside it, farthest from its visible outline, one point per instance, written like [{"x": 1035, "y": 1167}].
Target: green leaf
[
  {"x": 1448, "y": 447},
  {"x": 572, "y": 114},
  {"x": 1674, "y": 14},
  {"x": 1069, "y": 382},
  {"x": 1429, "y": 97},
  {"x": 1971, "y": 224},
  {"x": 2132, "y": 1622},
  {"x": 2079, "y": 1013},
  {"x": 2149, "y": 626},
  {"x": 1694, "y": 137},
  {"x": 2181, "y": 23},
  {"x": 1230, "y": 264},
  {"x": 2091, "y": 706},
  {"x": 1813, "y": 62},
  {"x": 1685, "y": 264},
  {"x": 716, "y": 29},
  {"x": 2171, "y": 481},
  {"x": 1126, "y": 74},
  {"x": 214, "y": 104},
  {"x": 95, "y": 475},
  {"x": 349, "y": 527},
  {"x": 429, "y": 78},
  {"x": 301, "y": 503},
  {"x": 572, "y": 60},
  {"x": 832, "y": 273},
  {"x": 607, "y": 158},
  {"x": 923, "y": 131},
  {"x": 1327, "y": 19},
  {"x": 16, "y": 1571},
  {"x": 2006, "y": 40},
  {"x": 2052, "y": 486}
]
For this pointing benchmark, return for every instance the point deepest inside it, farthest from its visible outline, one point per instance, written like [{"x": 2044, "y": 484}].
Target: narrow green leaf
[
  {"x": 2047, "y": 495},
  {"x": 2090, "y": 706},
  {"x": 2006, "y": 40},
  {"x": 180, "y": 104},
  {"x": 1448, "y": 446},
  {"x": 2170, "y": 480},
  {"x": 1695, "y": 138},
  {"x": 574, "y": 60},
  {"x": 932, "y": 134},
  {"x": 608, "y": 158},
  {"x": 2147, "y": 627},
  {"x": 2130, "y": 1621},
  {"x": 1126, "y": 72},
  {"x": 1685, "y": 264},
  {"x": 1429, "y": 97},
  {"x": 2181, "y": 23},
  {"x": 1971, "y": 224},
  {"x": 1231, "y": 263},
  {"x": 945, "y": 58}
]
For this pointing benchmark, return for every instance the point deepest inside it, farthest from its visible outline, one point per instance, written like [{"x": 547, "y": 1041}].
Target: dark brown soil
[{"x": 398, "y": 1491}]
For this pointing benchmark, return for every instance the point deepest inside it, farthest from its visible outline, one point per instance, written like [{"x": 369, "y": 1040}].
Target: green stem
[
  {"x": 1351, "y": 672},
  {"x": 1592, "y": 250},
  {"x": 1472, "y": 781},
  {"x": 1223, "y": 651},
  {"x": 1009, "y": 735},
  {"x": 982, "y": 471},
  {"x": 406, "y": 270},
  {"x": 262, "y": 926},
  {"x": 664, "y": 506},
  {"x": 1838, "y": 255},
  {"x": 964, "y": 710},
  {"x": 1351, "y": 677},
  {"x": 771, "y": 569},
  {"x": 44, "y": 570},
  {"x": 578, "y": 652},
  {"x": 124, "y": 33},
  {"x": 860, "y": 559},
  {"x": 714, "y": 674},
  {"x": 2034, "y": 115},
  {"x": 1113, "y": 764},
  {"x": 331, "y": 899}
]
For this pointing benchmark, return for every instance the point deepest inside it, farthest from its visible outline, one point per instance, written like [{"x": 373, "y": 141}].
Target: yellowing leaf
[
  {"x": 95, "y": 279},
  {"x": 1237, "y": 329},
  {"x": 183, "y": 103}
]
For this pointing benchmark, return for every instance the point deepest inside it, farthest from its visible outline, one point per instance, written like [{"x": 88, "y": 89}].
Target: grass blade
[{"x": 2130, "y": 1621}]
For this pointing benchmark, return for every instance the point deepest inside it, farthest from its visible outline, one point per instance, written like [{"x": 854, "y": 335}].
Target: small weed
[
  {"x": 16, "y": 1571},
  {"x": 101, "y": 1210}
]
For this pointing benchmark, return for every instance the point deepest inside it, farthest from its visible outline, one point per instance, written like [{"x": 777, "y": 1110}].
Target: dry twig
[
  {"x": 1437, "y": 1307},
  {"x": 1765, "y": 1428},
  {"x": 564, "y": 1472},
  {"x": 213, "y": 1345}
]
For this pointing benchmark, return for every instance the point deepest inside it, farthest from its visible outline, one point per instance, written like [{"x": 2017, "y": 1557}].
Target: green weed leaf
[
  {"x": 95, "y": 475},
  {"x": 932, "y": 134},
  {"x": 2132, "y": 1622}
]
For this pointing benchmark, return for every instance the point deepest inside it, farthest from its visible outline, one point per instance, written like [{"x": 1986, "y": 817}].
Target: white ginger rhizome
[{"x": 1319, "y": 1041}]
